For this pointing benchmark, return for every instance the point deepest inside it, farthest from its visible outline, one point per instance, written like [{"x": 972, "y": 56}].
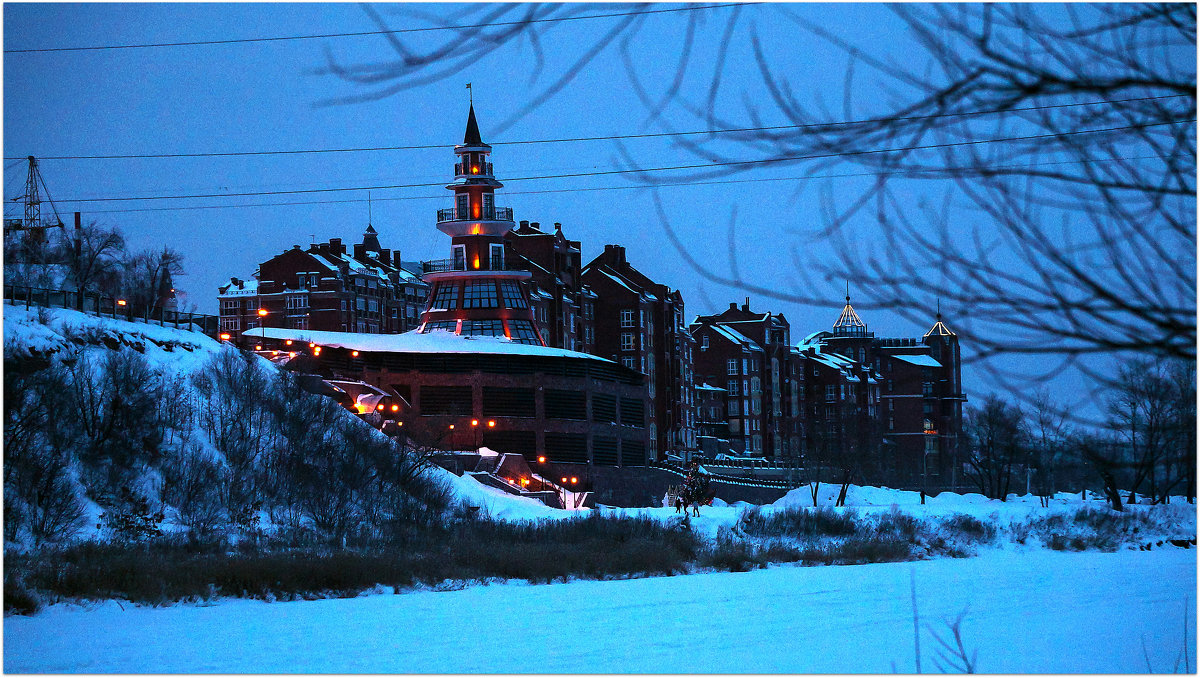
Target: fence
[
  {"x": 103, "y": 306},
  {"x": 732, "y": 480}
]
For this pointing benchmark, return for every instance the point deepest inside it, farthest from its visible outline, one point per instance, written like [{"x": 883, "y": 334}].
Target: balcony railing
[
  {"x": 440, "y": 265},
  {"x": 494, "y": 214},
  {"x": 485, "y": 169}
]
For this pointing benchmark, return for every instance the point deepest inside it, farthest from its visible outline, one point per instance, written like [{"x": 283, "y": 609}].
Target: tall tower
[{"x": 473, "y": 293}]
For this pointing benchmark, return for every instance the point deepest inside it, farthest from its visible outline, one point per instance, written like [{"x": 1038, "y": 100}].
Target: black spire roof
[{"x": 471, "y": 138}]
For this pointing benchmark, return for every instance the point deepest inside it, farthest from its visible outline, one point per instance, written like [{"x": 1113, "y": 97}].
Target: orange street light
[
  {"x": 288, "y": 342},
  {"x": 451, "y": 427},
  {"x": 262, "y": 312},
  {"x": 395, "y": 408},
  {"x": 121, "y": 302},
  {"x": 574, "y": 480},
  {"x": 354, "y": 353},
  {"x": 224, "y": 336},
  {"x": 474, "y": 422},
  {"x": 258, "y": 347},
  {"x": 379, "y": 407},
  {"x": 491, "y": 423},
  {"x": 541, "y": 459},
  {"x": 564, "y": 479}
]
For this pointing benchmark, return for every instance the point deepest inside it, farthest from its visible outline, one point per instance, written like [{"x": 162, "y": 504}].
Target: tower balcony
[
  {"x": 449, "y": 265},
  {"x": 478, "y": 169},
  {"x": 493, "y": 214}
]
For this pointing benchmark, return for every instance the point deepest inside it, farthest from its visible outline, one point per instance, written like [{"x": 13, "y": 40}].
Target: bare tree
[
  {"x": 1049, "y": 431},
  {"x": 95, "y": 265},
  {"x": 1152, "y": 411},
  {"x": 148, "y": 277},
  {"x": 998, "y": 440}
]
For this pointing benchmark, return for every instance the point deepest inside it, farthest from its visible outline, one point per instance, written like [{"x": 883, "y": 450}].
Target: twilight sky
[{"x": 276, "y": 96}]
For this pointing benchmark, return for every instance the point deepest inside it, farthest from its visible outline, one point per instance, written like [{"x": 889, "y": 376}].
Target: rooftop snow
[
  {"x": 736, "y": 337},
  {"x": 412, "y": 342},
  {"x": 922, "y": 360}
]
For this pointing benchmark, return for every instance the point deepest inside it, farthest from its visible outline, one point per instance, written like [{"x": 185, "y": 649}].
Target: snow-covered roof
[
  {"x": 616, "y": 280},
  {"x": 736, "y": 337},
  {"x": 707, "y": 387},
  {"x": 412, "y": 342},
  {"x": 249, "y": 289},
  {"x": 922, "y": 360}
]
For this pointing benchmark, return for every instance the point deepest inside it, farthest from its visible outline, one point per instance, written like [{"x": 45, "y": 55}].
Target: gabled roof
[{"x": 939, "y": 328}]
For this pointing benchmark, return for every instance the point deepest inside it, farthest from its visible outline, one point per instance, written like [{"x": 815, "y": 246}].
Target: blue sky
[{"x": 273, "y": 96}]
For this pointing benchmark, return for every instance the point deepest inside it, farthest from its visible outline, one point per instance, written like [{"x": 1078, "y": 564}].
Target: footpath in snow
[{"x": 1028, "y": 612}]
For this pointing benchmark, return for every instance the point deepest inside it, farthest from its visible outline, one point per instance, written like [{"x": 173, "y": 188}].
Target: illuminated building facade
[{"x": 476, "y": 292}]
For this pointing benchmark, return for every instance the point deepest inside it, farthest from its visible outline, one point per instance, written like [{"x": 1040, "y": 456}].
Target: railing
[
  {"x": 733, "y": 480},
  {"x": 485, "y": 170},
  {"x": 107, "y": 306},
  {"x": 494, "y": 214},
  {"x": 440, "y": 265}
]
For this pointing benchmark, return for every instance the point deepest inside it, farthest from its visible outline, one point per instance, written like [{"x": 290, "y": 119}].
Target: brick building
[
  {"x": 750, "y": 354},
  {"x": 917, "y": 414},
  {"x": 639, "y": 323},
  {"x": 564, "y": 307},
  {"x": 326, "y": 288}
]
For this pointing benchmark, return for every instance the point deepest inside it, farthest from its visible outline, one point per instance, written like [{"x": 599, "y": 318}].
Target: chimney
[
  {"x": 295, "y": 247},
  {"x": 385, "y": 255},
  {"x": 335, "y": 246},
  {"x": 746, "y": 306},
  {"x": 360, "y": 251},
  {"x": 396, "y": 259},
  {"x": 536, "y": 225},
  {"x": 524, "y": 223},
  {"x": 733, "y": 305},
  {"x": 557, "y": 226}
]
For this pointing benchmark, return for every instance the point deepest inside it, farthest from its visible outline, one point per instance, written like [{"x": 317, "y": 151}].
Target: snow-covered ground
[{"x": 1038, "y": 611}]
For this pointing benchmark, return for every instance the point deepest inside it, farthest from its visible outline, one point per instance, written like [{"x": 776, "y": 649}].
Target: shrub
[
  {"x": 970, "y": 528},
  {"x": 800, "y": 522}
]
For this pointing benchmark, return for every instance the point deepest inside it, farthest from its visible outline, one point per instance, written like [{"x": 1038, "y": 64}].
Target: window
[
  {"x": 489, "y": 206},
  {"x": 831, "y": 391},
  {"x": 360, "y": 303},
  {"x": 891, "y": 423},
  {"x": 626, "y": 341},
  {"x": 446, "y": 297},
  {"x": 627, "y": 317},
  {"x": 461, "y": 206},
  {"x": 480, "y": 294},
  {"x": 297, "y": 301},
  {"x": 441, "y": 325},
  {"x": 732, "y": 387},
  {"x": 229, "y": 324},
  {"x": 889, "y": 385},
  {"x": 511, "y": 293},
  {"x": 704, "y": 343},
  {"x": 630, "y": 362},
  {"x": 755, "y": 385},
  {"x": 522, "y": 332},
  {"x": 745, "y": 366},
  {"x": 372, "y": 306},
  {"x": 497, "y": 263},
  {"x": 228, "y": 305},
  {"x": 482, "y": 328},
  {"x": 460, "y": 257},
  {"x": 757, "y": 443},
  {"x": 891, "y": 405},
  {"x": 733, "y": 365},
  {"x": 927, "y": 388}
]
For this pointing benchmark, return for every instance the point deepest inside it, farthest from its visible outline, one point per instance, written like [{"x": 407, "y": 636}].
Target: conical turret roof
[
  {"x": 939, "y": 328},
  {"x": 849, "y": 322},
  {"x": 471, "y": 138}
]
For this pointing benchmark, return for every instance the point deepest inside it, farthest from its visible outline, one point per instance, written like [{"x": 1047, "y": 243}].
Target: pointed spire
[
  {"x": 471, "y": 138},
  {"x": 848, "y": 323},
  {"x": 939, "y": 328}
]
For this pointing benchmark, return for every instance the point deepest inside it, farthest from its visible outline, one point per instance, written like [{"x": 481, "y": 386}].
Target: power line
[
  {"x": 649, "y": 170},
  {"x": 234, "y": 41},
  {"x": 611, "y": 137},
  {"x": 619, "y": 188}
]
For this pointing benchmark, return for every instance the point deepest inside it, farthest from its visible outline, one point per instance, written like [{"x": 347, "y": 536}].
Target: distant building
[
  {"x": 749, "y": 353},
  {"x": 324, "y": 288},
  {"x": 917, "y": 413},
  {"x": 564, "y": 307},
  {"x": 639, "y": 323}
]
